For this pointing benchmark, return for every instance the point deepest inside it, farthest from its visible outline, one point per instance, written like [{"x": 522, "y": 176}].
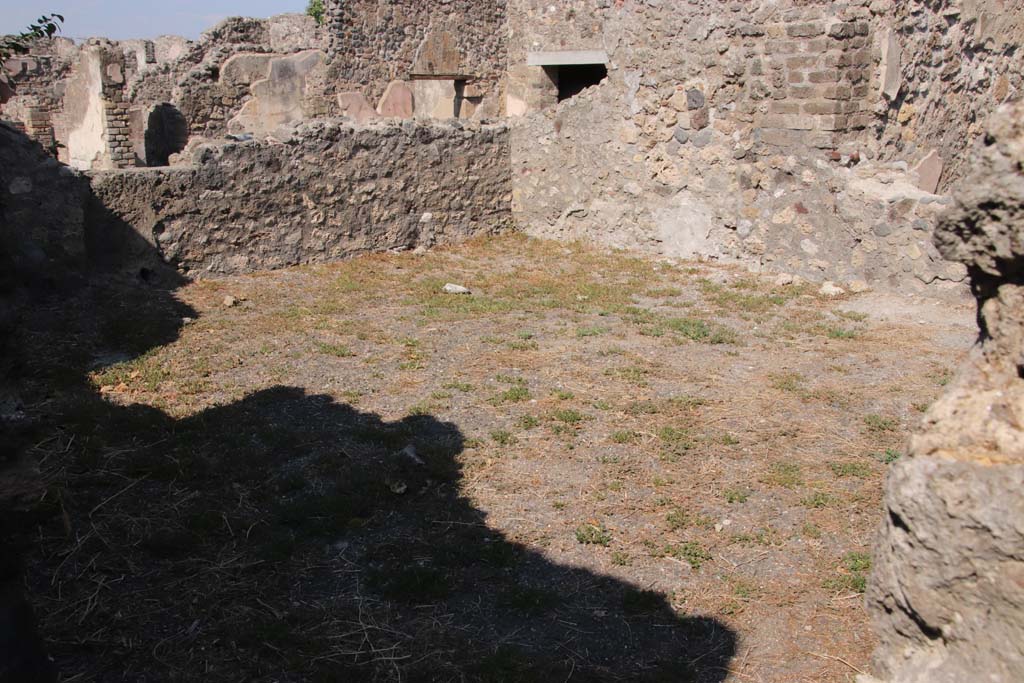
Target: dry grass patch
[{"x": 353, "y": 474}]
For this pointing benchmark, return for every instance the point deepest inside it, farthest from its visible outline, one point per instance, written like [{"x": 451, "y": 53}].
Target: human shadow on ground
[{"x": 286, "y": 536}]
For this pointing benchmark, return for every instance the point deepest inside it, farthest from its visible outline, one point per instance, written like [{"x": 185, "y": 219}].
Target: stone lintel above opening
[
  {"x": 566, "y": 57},
  {"x": 413, "y": 76}
]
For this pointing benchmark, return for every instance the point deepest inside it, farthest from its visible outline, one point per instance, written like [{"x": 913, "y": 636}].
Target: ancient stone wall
[
  {"x": 373, "y": 42},
  {"x": 34, "y": 98},
  {"x": 329, "y": 191},
  {"x": 800, "y": 66},
  {"x": 947, "y": 593},
  {"x": 793, "y": 135},
  {"x": 95, "y": 101},
  {"x": 733, "y": 132},
  {"x": 41, "y": 243},
  {"x": 203, "y": 86},
  {"x": 947, "y": 64},
  {"x": 42, "y": 236}
]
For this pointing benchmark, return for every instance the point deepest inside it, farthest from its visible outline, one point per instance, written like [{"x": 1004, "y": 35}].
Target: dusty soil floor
[{"x": 595, "y": 467}]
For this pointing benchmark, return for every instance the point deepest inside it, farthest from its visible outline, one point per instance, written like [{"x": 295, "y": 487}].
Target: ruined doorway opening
[
  {"x": 166, "y": 134},
  {"x": 572, "y": 79}
]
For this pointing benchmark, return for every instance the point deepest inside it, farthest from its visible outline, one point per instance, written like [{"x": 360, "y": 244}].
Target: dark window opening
[
  {"x": 166, "y": 134},
  {"x": 572, "y": 79}
]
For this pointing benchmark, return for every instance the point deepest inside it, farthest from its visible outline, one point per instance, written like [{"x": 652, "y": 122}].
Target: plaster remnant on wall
[
  {"x": 434, "y": 99},
  {"x": 355, "y": 106},
  {"x": 84, "y": 117},
  {"x": 244, "y": 69},
  {"x": 684, "y": 228},
  {"x": 397, "y": 101},
  {"x": 282, "y": 97}
]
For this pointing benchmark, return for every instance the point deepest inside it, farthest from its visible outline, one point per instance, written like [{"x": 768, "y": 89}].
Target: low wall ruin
[
  {"x": 947, "y": 593},
  {"x": 329, "y": 191}
]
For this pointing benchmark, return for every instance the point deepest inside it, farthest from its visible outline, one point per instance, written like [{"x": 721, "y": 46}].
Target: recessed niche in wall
[
  {"x": 572, "y": 79},
  {"x": 166, "y": 133},
  {"x": 571, "y": 71}
]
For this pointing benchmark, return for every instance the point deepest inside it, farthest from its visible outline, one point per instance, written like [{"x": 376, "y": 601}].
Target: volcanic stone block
[{"x": 947, "y": 593}]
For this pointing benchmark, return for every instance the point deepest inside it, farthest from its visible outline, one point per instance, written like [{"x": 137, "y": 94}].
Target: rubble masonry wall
[
  {"x": 330, "y": 191},
  {"x": 757, "y": 132}
]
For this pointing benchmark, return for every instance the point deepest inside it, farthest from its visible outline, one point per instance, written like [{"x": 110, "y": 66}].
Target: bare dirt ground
[{"x": 594, "y": 467}]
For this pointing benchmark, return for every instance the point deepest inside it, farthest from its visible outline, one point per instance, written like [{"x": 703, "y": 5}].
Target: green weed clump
[
  {"x": 568, "y": 416},
  {"x": 877, "y": 423},
  {"x": 339, "y": 350},
  {"x": 503, "y": 437},
  {"x": 735, "y": 496},
  {"x": 785, "y": 474},
  {"x": 514, "y": 394},
  {"x": 855, "y": 578},
  {"x": 890, "y": 455},
  {"x": 850, "y": 469},
  {"x": 691, "y": 552},
  {"x": 593, "y": 534}
]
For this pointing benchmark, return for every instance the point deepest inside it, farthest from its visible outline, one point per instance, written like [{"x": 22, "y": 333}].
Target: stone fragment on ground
[
  {"x": 858, "y": 286},
  {"x": 784, "y": 280},
  {"x": 452, "y": 288},
  {"x": 829, "y": 288}
]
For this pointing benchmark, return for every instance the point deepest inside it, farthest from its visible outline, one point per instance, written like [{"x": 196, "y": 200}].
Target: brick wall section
[
  {"x": 33, "y": 77},
  {"x": 115, "y": 106},
  {"x": 39, "y": 127},
  {"x": 814, "y": 74}
]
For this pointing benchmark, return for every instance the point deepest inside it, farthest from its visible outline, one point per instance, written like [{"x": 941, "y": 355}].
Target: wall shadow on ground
[
  {"x": 79, "y": 288},
  {"x": 284, "y": 536}
]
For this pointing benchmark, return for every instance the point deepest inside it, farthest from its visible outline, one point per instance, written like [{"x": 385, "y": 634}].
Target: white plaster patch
[
  {"x": 86, "y": 144},
  {"x": 684, "y": 228},
  {"x": 434, "y": 98}
]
